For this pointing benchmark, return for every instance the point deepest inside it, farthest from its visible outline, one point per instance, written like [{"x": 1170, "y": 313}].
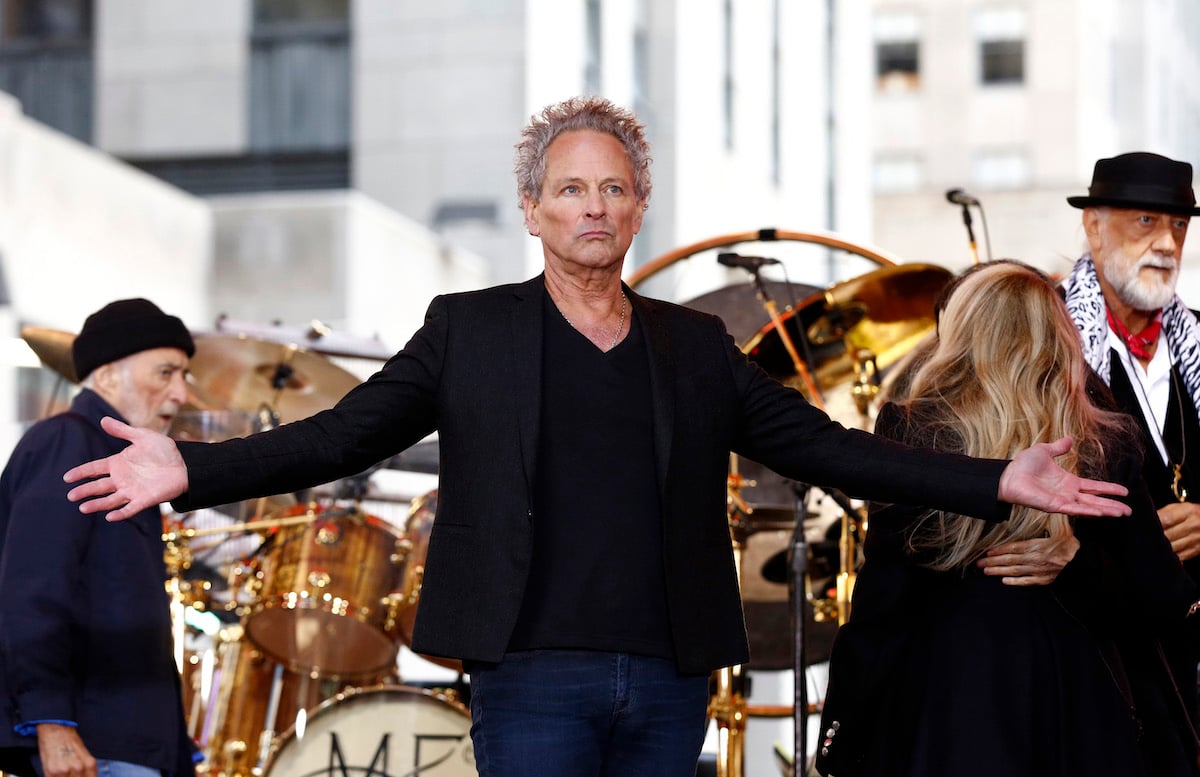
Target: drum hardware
[
  {"x": 853, "y": 522},
  {"x": 327, "y": 593},
  {"x": 181, "y": 593},
  {"x": 857, "y": 328},
  {"x": 866, "y": 380},
  {"x": 417, "y": 529},
  {"x": 252, "y": 699},
  {"x": 379, "y": 730},
  {"x": 727, "y": 702},
  {"x": 317, "y": 336},
  {"x": 810, "y": 388}
]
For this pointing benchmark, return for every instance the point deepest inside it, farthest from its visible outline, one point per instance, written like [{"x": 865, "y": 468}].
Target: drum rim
[
  {"x": 271, "y": 604},
  {"x": 356, "y": 513},
  {"x": 350, "y": 695}
]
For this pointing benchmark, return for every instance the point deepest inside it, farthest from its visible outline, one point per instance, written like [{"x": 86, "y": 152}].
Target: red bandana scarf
[{"x": 1138, "y": 344}]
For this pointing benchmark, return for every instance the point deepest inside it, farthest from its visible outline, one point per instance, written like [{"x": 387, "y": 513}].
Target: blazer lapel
[
  {"x": 662, "y": 379},
  {"x": 527, "y": 370}
]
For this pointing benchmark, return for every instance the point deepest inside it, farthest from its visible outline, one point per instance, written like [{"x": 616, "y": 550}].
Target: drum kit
[
  {"x": 294, "y": 671},
  {"x": 288, "y": 614}
]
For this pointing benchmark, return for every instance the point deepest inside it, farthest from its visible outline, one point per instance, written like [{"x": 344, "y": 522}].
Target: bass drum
[
  {"x": 386, "y": 730},
  {"x": 252, "y": 700}
]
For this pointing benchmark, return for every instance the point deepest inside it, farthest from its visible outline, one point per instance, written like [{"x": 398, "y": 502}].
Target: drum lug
[
  {"x": 414, "y": 590},
  {"x": 394, "y": 604},
  {"x": 403, "y": 547}
]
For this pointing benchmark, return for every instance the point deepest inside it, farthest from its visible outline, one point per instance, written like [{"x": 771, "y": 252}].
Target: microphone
[
  {"x": 751, "y": 263},
  {"x": 959, "y": 197}
]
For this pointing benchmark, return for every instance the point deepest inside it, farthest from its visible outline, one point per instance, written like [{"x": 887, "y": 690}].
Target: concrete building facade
[{"x": 1014, "y": 102}]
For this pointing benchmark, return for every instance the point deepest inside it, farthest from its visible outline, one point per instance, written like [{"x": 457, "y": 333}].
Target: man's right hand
[
  {"x": 148, "y": 472},
  {"x": 63, "y": 753},
  {"x": 1029, "y": 562},
  {"x": 1181, "y": 524}
]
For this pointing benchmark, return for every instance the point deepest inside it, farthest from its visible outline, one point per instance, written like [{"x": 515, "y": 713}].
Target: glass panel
[
  {"x": 1006, "y": 169},
  {"x": 46, "y": 20},
  {"x": 270, "y": 12},
  {"x": 1002, "y": 62},
  {"x": 894, "y": 175}
]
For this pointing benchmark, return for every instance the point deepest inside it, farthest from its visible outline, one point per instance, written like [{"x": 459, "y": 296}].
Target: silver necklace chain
[{"x": 620, "y": 324}]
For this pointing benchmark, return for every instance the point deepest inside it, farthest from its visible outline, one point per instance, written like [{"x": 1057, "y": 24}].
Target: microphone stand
[
  {"x": 966, "y": 216},
  {"x": 797, "y": 589},
  {"x": 814, "y": 393}
]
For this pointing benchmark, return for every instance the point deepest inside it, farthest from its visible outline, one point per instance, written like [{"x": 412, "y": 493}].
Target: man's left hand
[{"x": 1033, "y": 479}]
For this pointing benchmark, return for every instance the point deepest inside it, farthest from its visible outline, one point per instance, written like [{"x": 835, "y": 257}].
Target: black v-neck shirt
[{"x": 597, "y": 578}]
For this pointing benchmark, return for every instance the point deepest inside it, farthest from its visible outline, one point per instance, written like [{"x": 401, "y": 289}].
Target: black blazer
[{"x": 473, "y": 373}]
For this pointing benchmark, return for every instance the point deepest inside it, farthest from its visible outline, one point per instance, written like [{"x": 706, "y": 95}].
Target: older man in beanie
[
  {"x": 88, "y": 684},
  {"x": 1142, "y": 339}
]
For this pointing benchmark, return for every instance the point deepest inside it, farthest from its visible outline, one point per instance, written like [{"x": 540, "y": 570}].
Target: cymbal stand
[
  {"x": 177, "y": 556},
  {"x": 853, "y": 521},
  {"x": 727, "y": 705},
  {"x": 799, "y": 599},
  {"x": 267, "y": 523},
  {"x": 814, "y": 393}
]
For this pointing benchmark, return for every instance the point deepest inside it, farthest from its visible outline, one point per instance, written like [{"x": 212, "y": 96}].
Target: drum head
[{"x": 386, "y": 730}]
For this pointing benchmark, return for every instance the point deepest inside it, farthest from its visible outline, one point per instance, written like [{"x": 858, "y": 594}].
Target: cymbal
[
  {"x": 245, "y": 373},
  {"x": 53, "y": 347},
  {"x": 739, "y": 306},
  {"x": 886, "y": 311}
]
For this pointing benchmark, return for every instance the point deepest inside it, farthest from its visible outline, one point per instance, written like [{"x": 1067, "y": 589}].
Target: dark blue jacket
[{"x": 85, "y": 632}]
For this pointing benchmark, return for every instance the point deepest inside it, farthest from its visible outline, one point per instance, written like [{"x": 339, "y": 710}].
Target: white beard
[{"x": 1125, "y": 278}]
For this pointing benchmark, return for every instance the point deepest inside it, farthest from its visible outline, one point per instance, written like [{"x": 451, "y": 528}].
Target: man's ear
[
  {"x": 530, "y": 206},
  {"x": 104, "y": 376},
  {"x": 1091, "y": 227}
]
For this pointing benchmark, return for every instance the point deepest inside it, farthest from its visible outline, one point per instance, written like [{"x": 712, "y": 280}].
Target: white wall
[
  {"x": 171, "y": 77},
  {"x": 79, "y": 230},
  {"x": 337, "y": 257},
  {"x": 438, "y": 102}
]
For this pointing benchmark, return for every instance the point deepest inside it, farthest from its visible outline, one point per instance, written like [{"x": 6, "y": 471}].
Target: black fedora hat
[{"x": 1141, "y": 180}]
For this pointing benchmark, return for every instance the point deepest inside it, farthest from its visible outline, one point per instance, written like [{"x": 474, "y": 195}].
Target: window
[
  {"x": 300, "y": 76},
  {"x": 1000, "y": 169},
  {"x": 1001, "y": 34},
  {"x": 641, "y": 61},
  {"x": 727, "y": 95},
  {"x": 898, "y": 174},
  {"x": 46, "y": 61},
  {"x": 897, "y": 52},
  {"x": 268, "y": 12},
  {"x": 593, "y": 48},
  {"x": 46, "y": 20}
]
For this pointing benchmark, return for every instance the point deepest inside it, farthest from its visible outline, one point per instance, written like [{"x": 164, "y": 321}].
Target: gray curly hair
[{"x": 579, "y": 113}]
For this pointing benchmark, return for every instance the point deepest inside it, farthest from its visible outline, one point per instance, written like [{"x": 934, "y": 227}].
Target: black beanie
[{"x": 123, "y": 328}]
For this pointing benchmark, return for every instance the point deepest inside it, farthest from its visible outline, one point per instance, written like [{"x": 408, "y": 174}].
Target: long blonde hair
[{"x": 1006, "y": 372}]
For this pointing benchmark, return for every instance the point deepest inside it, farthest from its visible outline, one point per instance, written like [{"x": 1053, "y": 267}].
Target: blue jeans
[
  {"x": 113, "y": 769},
  {"x": 581, "y": 713},
  {"x": 124, "y": 769}
]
